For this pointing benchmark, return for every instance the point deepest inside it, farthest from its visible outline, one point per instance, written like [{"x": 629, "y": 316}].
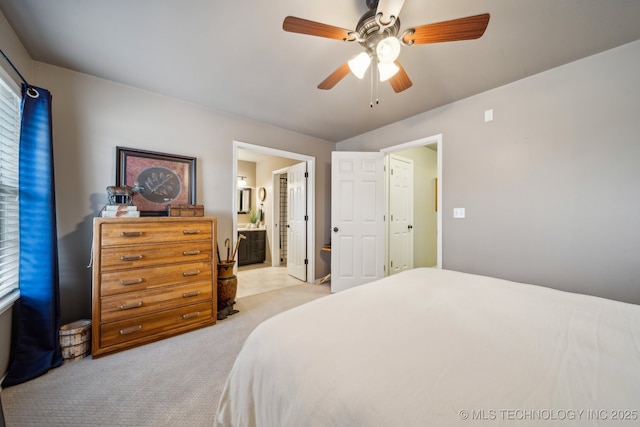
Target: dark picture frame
[{"x": 165, "y": 179}]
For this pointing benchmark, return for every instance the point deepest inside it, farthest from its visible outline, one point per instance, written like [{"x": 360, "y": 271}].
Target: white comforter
[{"x": 440, "y": 348}]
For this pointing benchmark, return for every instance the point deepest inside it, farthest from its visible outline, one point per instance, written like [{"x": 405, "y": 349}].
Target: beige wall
[
  {"x": 264, "y": 178},
  {"x": 15, "y": 51},
  {"x": 550, "y": 186},
  {"x": 92, "y": 116},
  {"x": 247, "y": 170}
]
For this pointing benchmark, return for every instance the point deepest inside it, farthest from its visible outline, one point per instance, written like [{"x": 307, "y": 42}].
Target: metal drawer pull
[
  {"x": 130, "y": 257},
  {"x": 190, "y": 294},
  {"x": 130, "y": 330},
  {"x": 191, "y": 273},
  {"x": 130, "y": 281},
  {"x": 190, "y": 315},
  {"x": 196, "y": 252},
  {"x": 131, "y": 233},
  {"x": 131, "y": 305},
  {"x": 190, "y": 231}
]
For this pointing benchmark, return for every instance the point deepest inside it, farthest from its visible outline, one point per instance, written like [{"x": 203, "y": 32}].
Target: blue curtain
[{"x": 35, "y": 346}]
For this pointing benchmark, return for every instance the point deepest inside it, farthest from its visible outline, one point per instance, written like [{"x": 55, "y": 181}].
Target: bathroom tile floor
[{"x": 257, "y": 278}]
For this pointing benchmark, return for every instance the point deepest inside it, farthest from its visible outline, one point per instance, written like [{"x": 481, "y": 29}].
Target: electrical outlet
[
  {"x": 458, "y": 212},
  {"x": 488, "y": 115}
]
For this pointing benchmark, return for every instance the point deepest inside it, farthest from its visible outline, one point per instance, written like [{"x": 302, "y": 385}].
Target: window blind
[{"x": 9, "y": 212}]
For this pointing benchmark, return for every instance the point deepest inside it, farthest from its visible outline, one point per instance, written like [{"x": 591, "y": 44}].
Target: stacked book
[{"x": 120, "y": 211}]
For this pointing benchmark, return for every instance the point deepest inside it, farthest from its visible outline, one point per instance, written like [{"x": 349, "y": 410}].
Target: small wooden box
[{"x": 185, "y": 210}]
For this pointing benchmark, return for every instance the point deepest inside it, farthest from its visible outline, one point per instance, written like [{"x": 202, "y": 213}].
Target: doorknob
[{"x": 335, "y": 229}]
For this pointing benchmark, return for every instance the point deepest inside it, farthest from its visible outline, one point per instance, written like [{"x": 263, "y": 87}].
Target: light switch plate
[{"x": 458, "y": 212}]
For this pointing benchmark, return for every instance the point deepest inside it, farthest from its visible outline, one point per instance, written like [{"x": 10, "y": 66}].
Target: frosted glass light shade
[
  {"x": 360, "y": 64},
  {"x": 386, "y": 71},
  {"x": 388, "y": 50}
]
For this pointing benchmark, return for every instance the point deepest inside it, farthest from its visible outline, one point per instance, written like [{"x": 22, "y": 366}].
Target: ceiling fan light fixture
[
  {"x": 386, "y": 71},
  {"x": 360, "y": 64},
  {"x": 388, "y": 50}
]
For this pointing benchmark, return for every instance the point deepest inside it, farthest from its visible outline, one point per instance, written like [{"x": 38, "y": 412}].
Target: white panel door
[
  {"x": 400, "y": 214},
  {"x": 296, "y": 221},
  {"x": 357, "y": 218}
]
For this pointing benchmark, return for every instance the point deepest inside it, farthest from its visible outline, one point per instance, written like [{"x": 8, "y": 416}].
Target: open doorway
[
  {"x": 266, "y": 196},
  {"x": 358, "y": 214},
  {"x": 412, "y": 177},
  {"x": 426, "y": 154}
]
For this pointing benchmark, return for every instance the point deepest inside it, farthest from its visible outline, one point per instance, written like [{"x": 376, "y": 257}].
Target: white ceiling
[{"x": 234, "y": 56}]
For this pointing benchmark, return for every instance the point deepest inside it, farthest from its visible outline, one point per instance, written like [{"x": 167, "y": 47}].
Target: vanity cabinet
[
  {"x": 252, "y": 250},
  {"x": 152, "y": 278}
]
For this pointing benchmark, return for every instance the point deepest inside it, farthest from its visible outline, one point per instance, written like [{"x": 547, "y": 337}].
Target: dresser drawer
[
  {"x": 119, "y": 258},
  {"x": 122, "y": 281},
  {"x": 160, "y": 325},
  {"x": 152, "y": 278},
  {"x": 123, "y": 306},
  {"x": 136, "y": 233}
]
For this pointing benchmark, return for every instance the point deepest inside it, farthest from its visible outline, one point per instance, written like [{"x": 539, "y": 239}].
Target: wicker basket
[{"x": 75, "y": 340}]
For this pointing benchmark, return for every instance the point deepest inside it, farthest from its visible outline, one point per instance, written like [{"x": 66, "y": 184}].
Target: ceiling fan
[{"x": 378, "y": 31}]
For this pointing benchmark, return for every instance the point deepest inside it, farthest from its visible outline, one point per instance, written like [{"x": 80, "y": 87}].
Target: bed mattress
[{"x": 441, "y": 348}]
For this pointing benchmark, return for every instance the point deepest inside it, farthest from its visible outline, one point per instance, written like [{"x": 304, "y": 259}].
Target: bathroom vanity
[{"x": 252, "y": 250}]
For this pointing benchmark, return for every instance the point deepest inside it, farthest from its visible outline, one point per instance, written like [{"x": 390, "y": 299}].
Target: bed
[{"x": 440, "y": 348}]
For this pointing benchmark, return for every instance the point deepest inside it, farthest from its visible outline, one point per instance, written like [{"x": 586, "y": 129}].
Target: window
[{"x": 9, "y": 161}]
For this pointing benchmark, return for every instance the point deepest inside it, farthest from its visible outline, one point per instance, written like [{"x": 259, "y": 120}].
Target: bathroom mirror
[{"x": 244, "y": 200}]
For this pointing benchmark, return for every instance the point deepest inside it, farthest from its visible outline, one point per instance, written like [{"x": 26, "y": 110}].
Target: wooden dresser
[{"x": 153, "y": 277}]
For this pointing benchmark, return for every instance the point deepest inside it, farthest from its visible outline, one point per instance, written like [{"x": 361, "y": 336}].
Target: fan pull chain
[
  {"x": 374, "y": 78},
  {"x": 371, "y": 89}
]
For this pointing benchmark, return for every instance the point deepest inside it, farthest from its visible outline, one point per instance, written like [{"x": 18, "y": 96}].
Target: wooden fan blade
[
  {"x": 400, "y": 81},
  {"x": 335, "y": 77},
  {"x": 389, "y": 8},
  {"x": 469, "y": 28},
  {"x": 304, "y": 26}
]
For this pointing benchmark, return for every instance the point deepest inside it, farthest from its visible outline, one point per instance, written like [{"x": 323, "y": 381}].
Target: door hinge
[
  {"x": 306, "y": 217},
  {"x": 306, "y": 174},
  {"x": 306, "y": 261}
]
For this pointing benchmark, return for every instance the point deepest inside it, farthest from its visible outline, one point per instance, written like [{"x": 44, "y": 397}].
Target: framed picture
[{"x": 162, "y": 179}]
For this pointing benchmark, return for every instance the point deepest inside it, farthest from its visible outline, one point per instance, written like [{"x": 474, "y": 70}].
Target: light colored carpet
[{"x": 173, "y": 382}]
